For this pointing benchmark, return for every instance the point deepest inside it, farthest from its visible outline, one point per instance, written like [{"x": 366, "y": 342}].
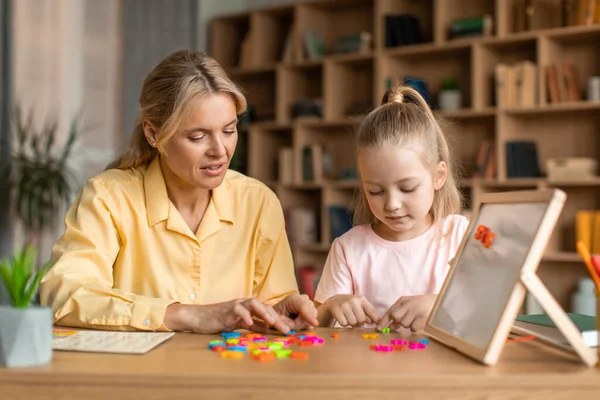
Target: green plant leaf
[
  {"x": 20, "y": 277},
  {"x": 6, "y": 272},
  {"x": 34, "y": 283},
  {"x": 50, "y": 134},
  {"x": 38, "y": 171}
]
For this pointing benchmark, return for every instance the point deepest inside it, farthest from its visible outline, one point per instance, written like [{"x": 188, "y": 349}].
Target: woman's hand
[
  {"x": 410, "y": 312},
  {"x": 248, "y": 314},
  {"x": 299, "y": 307},
  {"x": 351, "y": 310}
]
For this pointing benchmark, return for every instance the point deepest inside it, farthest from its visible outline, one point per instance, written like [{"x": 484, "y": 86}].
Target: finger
[
  {"x": 408, "y": 319},
  {"x": 279, "y": 322},
  {"x": 418, "y": 324},
  {"x": 301, "y": 324},
  {"x": 288, "y": 322},
  {"x": 369, "y": 321},
  {"x": 258, "y": 327},
  {"x": 384, "y": 321},
  {"x": 394, "y": 326},
  {"x": 399, "y": 312},
  {"x": 242, "y": 312},
  {"x": 308, "y": 311},
  {"x": 359, "y": 314},
  {"x": 394, "y": 314},
  {"x": 350, "y": 317},
  {"x": 267, "y": 313},
  {"x": 270, "y": 316},
  {"x": 262, "y": 311},
  {"x": 370, "y": 312},
  {"x": 339, "y": 316}
]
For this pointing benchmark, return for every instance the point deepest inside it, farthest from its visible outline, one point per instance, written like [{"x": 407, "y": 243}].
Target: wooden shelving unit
[{"x": 340, "y": 80}]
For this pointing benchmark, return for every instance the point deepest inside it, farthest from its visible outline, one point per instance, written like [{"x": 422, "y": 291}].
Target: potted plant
[
  {"x": 449, "y": 98},
  {"x": 38, "y": 173},
  {"x": 41, "y": 185},
  {"x": 25, "y": 329}
]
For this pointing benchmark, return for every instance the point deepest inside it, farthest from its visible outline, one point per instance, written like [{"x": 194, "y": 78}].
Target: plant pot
[
  {"x": 449, "y": 100},
  {"x": 25, "y": 336}
]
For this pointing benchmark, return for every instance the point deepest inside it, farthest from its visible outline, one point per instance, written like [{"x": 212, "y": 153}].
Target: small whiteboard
[{"x": 492, "y": 271}]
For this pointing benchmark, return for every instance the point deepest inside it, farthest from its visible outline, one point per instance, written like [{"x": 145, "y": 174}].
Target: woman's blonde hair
[
  {"x": 166, "y": 94},
  {"x": 404, "y": 118}
]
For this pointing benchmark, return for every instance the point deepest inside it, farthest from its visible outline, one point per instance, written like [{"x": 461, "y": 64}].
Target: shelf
[
  {"x": 348, "y": 87},
  {"x": 323, "y": 123},
  {"x": 431, "y": 64},
  {"x": 510, "y": 183},
  {"x": 249, "y": 71},
  {"x": 509, "y": 40},
  {"x": 305, "y": 63},
  {"x": 561, "y": 257},
  {"x": 467, "y": 113},
  {"x": 531, "y": 183},
  {"x": 429, "y": 49},
  {"x": 447, "y": 11},
  {"x": 337, "y": 184},
  {"x": 351, "y": 58},
  {"x": 259, "y": 84},
  {"x": 573, "y": 32},
  {"x": 575, "y": 106},
  {"x": 343, "y": 184},
  {"x": 300, "y": 186},
  {"x": 432, "y": 49},
  {"x": 572, "y": 183},
  {"x": 344, "y": 83},
  {"x": 316, "y": 247},
  {"x": 270, "y": 125},
  {"x": 423, "y": 10}
]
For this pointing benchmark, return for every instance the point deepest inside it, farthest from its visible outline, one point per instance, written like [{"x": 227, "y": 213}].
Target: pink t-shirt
[{"x": 362, "y": 263}]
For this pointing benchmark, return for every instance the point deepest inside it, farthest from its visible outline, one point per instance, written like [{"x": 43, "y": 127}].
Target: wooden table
[{"x": 183, "y": 368}]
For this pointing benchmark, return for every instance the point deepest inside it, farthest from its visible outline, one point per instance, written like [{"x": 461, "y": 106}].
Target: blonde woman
[{"x": 169, "y": 239}]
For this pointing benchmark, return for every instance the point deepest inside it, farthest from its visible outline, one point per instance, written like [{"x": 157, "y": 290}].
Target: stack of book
[
  {"x": 563, "y": 83},
  {"x": 402, "y": 30},
  {"x": 301, "y": 225},
  {"x": 516, "y": 85},
  {"x": 481, "y": 25},
  {"x": 522, "y": 159},
  {"x": 485, "y": 167},
  {"x": 356, "y": 43}
]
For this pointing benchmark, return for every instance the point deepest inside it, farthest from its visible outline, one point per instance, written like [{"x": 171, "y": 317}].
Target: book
[
  {"x": 543, "y": 325},
  {"x": 584, "y": 228}
]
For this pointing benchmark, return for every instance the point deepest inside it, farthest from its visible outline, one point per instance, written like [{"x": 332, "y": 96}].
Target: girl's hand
[
  {"x": 298, "y": 305},
  {"x": 351, "y": 310},
  {"x": 248, "y": 314},
  {"x": 410, "y": 312}
]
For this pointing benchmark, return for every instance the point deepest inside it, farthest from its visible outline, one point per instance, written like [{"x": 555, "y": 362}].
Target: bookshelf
[{"x": 265, "y": 52}]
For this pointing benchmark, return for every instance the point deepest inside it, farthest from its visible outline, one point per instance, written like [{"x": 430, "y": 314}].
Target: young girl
[{"x": 388, "y": 269}]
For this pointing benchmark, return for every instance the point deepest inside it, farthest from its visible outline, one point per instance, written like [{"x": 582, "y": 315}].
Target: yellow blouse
[{"x": 127, "y": 253}]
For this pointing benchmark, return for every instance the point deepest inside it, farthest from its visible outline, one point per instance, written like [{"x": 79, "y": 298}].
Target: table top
[{"x": 184, "y": 361}]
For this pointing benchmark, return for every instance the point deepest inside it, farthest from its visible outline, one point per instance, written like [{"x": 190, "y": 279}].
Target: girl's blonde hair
[
  {"x": 165, "y": 98},
  {"x": 404, "y": 118}
]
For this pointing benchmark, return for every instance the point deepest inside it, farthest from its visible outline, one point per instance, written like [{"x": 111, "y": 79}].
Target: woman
[{"x": 167, "y": 238}]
